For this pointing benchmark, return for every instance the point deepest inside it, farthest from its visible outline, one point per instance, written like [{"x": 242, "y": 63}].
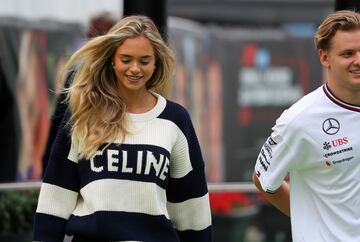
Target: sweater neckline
[{"x": 151, "y": 114}]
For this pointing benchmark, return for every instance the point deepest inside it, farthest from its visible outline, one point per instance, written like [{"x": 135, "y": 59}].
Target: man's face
[{"x": 342, "y": 61}]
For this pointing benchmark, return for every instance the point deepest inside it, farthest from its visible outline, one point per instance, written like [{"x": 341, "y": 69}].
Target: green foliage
[{"x": 17, "y": 210}]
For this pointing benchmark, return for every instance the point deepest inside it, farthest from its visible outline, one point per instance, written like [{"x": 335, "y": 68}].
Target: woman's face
[{"x": 134, "y": 64}]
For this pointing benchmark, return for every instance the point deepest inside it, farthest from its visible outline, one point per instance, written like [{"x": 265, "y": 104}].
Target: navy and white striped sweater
[{"x": 150, "y": 188}]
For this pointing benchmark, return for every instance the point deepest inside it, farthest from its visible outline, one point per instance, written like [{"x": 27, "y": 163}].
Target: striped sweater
[{"x": 151, "y": 188}]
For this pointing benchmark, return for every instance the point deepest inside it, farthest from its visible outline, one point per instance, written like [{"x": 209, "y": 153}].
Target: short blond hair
[{"x": 344, "y": 20}]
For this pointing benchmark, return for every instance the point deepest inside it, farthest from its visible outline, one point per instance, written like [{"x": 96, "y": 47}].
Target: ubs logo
[{"x": 331, "y": 126}]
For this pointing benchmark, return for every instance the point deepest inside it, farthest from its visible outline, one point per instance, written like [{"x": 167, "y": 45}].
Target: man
[{"x": 316, "y": 144}]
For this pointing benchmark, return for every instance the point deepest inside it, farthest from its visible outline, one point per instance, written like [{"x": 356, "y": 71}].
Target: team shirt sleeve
[
  {"x": 59, "y": 189},
  {"x": 279, "y": 154},
  {"x": 187, "y": 193}
]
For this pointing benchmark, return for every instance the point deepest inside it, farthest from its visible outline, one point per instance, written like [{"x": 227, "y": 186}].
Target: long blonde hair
[{"x": 98, "y": 112}]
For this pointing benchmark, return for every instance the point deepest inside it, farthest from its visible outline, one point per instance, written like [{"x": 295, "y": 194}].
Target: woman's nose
[{"x": 135, "y": 67}]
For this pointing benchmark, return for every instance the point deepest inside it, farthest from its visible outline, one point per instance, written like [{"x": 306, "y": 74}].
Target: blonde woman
[{"x": 126, "y": 164}]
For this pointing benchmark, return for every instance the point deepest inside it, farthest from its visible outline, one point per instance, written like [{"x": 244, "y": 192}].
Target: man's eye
[{"x": 347, "y": 54}]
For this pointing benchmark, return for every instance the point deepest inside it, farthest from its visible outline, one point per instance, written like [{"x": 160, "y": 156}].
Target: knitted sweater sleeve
[
  {"x": 187, "y": 193},
  {"x": 59, "y": 189}
]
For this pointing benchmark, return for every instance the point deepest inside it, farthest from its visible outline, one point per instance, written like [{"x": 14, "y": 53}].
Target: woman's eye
[{"x": 125, "y": 61}]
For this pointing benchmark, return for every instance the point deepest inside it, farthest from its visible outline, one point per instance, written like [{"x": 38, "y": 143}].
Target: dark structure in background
[
  {"x": 8, "y": 131},
  {"x": 347, "y": 4},
  {"x": 156, "y": 10},
  {"x": 9, "y": 128},
  {"x": 238, "y": 12},
  {"x": 252, "y": 12}
]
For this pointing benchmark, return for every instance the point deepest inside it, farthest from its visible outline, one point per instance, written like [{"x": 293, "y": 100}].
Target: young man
[{"x": 316, "y": 143}]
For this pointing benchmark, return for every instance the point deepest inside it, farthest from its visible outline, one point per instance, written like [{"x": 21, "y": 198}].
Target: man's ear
[{"x": 324, "y": 58}]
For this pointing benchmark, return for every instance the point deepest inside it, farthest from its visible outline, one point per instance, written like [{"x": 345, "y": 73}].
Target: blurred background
[{"x": 240, "y": 63}]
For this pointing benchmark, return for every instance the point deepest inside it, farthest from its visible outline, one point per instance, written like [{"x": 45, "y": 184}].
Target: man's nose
[{"x": 357, "y": 58}]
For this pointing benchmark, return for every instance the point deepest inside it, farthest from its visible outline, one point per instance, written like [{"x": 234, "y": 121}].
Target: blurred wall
[{"x": 73, "y": 11}]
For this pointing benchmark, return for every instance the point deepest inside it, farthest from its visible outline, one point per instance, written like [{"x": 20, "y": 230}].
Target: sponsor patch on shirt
[{"x": 265, "y": 156}]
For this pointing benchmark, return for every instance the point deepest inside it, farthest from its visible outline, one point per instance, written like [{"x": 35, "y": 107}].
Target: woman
[{"x": 126, "y": 164}]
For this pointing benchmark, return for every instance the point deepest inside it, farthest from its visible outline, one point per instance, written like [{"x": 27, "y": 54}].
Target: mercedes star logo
[{"x": 331, "y": 126}]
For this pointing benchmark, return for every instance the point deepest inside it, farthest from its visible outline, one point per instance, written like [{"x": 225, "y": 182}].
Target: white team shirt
[{"x": 317, "y": 143}]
